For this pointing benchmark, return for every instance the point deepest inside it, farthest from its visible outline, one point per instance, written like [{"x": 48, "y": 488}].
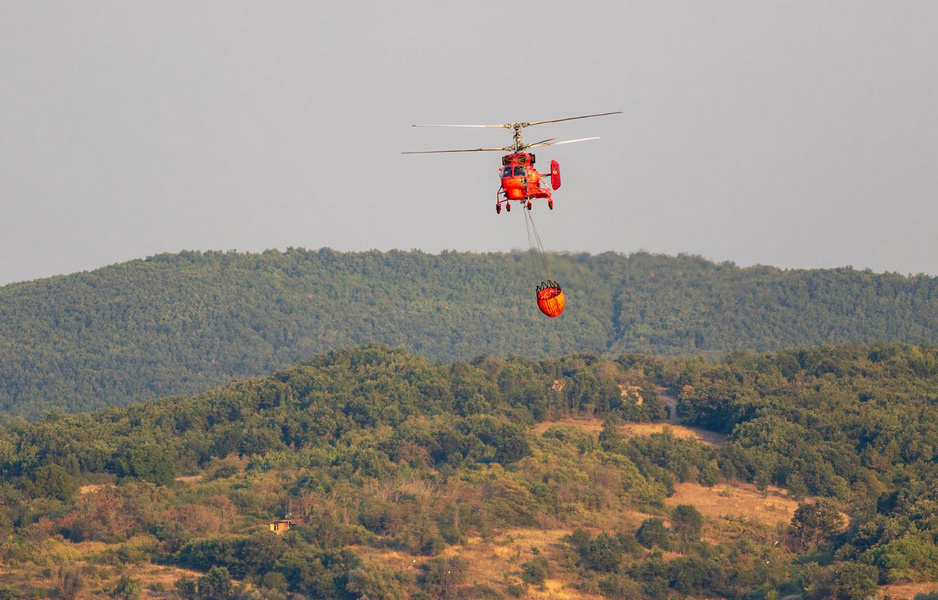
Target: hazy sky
[{"x": 792, "y": 133}]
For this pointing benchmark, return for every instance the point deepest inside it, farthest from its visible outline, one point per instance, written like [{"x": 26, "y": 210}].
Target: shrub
[
  {"x": 186, "y": 588},
  {"x": 52, "y": 481},
  {"x": 216, "y": 585},
  {"x": 127, "y": 589},
  {"x": 687, "y": 523},
  {"x": 274, "y": 581},
  {"x": 68, "y": 582},
  {"x": 443, "y": 575},
  {"x": 224, "y": 472},
  {"x": 652, "y": 532},
  {"x": 534, "y": 572},
  {"x": 376, "y": 583},
  {"x": 579, "y": 539},
  {"x": 604, "y": 553}
]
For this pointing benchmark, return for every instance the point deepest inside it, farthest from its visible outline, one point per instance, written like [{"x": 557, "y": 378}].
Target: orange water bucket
[{"x": 550, "y": 299}]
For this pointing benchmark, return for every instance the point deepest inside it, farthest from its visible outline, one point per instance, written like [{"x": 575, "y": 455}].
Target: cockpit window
[
  {"x": 506, "y": 172},
  {"x": 519, "y": 171}
]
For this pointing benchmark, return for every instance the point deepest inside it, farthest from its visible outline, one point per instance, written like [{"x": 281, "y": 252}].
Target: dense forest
[
  {"x": 406, "y": 478},
  {"x": 184, "y": 323}
]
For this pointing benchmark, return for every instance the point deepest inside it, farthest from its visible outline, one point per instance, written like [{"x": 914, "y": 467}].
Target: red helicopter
[{"x": 520, "y": 181}]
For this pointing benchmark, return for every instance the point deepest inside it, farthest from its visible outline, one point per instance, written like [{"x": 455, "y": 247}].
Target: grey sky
[{"x": 793, "y": 133}]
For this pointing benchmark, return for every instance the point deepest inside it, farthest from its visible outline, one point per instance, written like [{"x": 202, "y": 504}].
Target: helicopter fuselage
[{"x": 521, "y": 182}]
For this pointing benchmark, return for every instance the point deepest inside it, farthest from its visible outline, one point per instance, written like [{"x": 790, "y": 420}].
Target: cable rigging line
[{"x": 538, "y": 255}]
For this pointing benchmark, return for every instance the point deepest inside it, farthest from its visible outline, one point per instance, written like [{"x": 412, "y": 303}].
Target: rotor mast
[{"x": 518, "y": 145}]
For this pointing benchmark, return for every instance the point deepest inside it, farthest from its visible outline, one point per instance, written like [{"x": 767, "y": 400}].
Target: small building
[{"x": 280, "y": 526}]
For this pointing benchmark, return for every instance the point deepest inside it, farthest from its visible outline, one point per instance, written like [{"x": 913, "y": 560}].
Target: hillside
[
  {"x": 492, "y": 479},
  {"x": 183, "y": 323}
]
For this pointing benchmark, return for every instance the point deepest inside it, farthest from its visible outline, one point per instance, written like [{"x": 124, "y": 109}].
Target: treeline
[
  {"x": 474, "y": 412},
  {"x": 852, "y": 422},
  {"x": 187, "y": 322},
  {"x": 373, "y": 448}
]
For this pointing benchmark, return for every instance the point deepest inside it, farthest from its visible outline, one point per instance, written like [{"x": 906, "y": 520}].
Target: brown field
[
  {"x": 101, "y": 578},
  {"x": 909, "y": 590},
  {"x": 497, "y": 562},
  {"x": 595, "y": 425},
  {"x": 588, "y": 424},
  {"x": 89, "y": 489},
  {"x": 708, "y": 438},
  {"x": 166, "y": 577},
  {"x": 736, "y": 500}
]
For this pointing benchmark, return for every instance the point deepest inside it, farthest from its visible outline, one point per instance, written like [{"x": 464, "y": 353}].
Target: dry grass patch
[
  {"x": 736, "y": 500},
  {"x": 556, "y": 589},
  {"x": 594, "y": 425},
  {"x": 909, "y": 590},
  {"x": 495, "y": 562},
  {"x": 61, "y": 551},
  {"x": 591, "y": 424},
  {"x": 160, "y": 576},
  {"x": 708, "y": 438},
  {"x": 99, "y": 578},
  {"x": 634, "y": 390},
  {"x": 189, "y": 478}
]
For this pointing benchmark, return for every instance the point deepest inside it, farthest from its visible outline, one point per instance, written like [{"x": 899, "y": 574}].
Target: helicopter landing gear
[
  {"x": 508, "y": 206},
  {"x": 550, "y": 204},
  {"x": 498, "y": 209},
  {"x": 529, "y": 205}
]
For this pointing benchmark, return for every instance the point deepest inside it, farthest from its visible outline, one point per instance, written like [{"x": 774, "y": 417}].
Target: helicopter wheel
[
  {"x": 508, "y": 206},
  {"x": 498, "y": 209},
  {"x": 550, "y": 204},
  {"x": 529, "y": 205}
]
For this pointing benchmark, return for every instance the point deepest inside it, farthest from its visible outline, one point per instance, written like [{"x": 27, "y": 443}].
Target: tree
[
  {"x": 274, "y": 580},
  {"x": 375, "y": 583},
  {"x": 187, "y": 588},
  {"x": 127, "y": 588},
  {"x": 152, "y": 463},
  {"x": 610, "y": 438},
  {"x": 534, "y": 572},
  {"x": 579, "y": 539},
  {"x": 652, "y": 532},
  {"x": 797, "y": 488},
  {"x": 68, "y": 582},
  {"x": 687, "y": 523},
  {"x": 216, "y": 585},
  {"x": 814, "y": 525},
  {"x": 763, "y": 479},
  {"x": 443, "y": 576},
  {"x": 260, "y": 552},
  {"x": 52, "y": 481},
  {"x": 846, "y": 581},
  {"x": 604, "y": 553},
  {"x": 6, "y": 525}
]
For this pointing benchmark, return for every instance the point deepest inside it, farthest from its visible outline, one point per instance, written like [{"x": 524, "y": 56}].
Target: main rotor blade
[
  {"x": 538, "y": 144},
  {"x": 552, "y": 143},
  {"x": 467, "y": 150},
  {"x": 473, "y": 126},
  {"x": 523, "y": 124},
  {"x": 618, "y": 112}
]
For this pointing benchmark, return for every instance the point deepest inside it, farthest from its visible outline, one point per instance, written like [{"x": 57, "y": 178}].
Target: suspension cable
[{"x": 538, "y": 256}]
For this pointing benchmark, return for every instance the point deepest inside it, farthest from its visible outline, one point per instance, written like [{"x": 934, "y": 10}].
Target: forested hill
[
  {"x": 501, "y": 472},
  {"x": 186, "y": 322}
]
